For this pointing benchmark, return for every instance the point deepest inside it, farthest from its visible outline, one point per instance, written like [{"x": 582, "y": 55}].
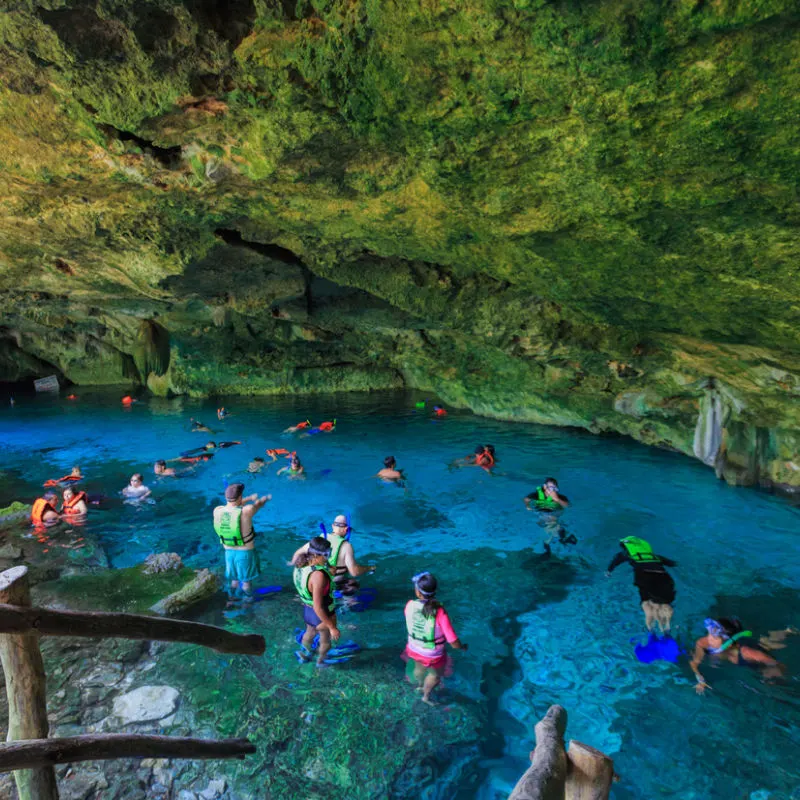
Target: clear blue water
[{"x": 541, "y": 630}]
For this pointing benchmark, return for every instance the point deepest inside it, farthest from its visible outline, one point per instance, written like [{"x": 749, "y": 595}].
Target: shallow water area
[{"x": 541, "y": 629}]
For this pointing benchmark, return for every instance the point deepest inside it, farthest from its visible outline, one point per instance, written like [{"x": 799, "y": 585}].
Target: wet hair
[
  {"x": 550, "y": 480},
  {"x": 426, "y": 585},
  {"x": 139, "y": 476},
  {"x": 490, "y": 448},
  {"x": 68, "y": 489},
  {"x": 316, "y": 547},
  {"x": 479, "y": 450},
  {"x": 258, "y": 458},
  {"x": 161, "y": 463},
  {"x": 389, "y": 462},
  {"x": 731, "y": 625},
  {"x": 234, "y": 491}
]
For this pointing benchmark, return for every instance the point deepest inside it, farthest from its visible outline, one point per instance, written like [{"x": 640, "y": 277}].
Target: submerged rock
[
  {"x": 145, "y": 704},
  {"x": 161, "y": 562},
  {"x": 204, "y": 585}
]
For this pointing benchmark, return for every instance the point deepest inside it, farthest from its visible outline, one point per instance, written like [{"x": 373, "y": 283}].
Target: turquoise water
[{"x": 541, "y": 630}]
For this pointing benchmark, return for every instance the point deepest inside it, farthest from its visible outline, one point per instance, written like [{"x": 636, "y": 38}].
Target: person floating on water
[
  {"x": 323, "y": 427},
  {"x": 208, "y": 449},
  {"x": 73, "y": 477},
  {"x": 198, "y": 427},
  {"x": 390, "y": 473},
  {"x": 301, "y": 426},
  {"x": 161, "y": 468},
  {"x": 428, "y": 628},
  {"x": 256, "y": 465},
  {"x": 342, "y": 559},
  {"x": 483, "y": 457},
  {"x": 136, "y": 490},
  {"x": 223, "y": 413},
  {"x": 655, "y": 584},
  {"x": 726, "y": 640},
  {"x": 549, "y": 502},
  {"x": 44, "y": 511},
  {"x": 295, "y": 470},
  {"x": 233, "y": 524},
  {"x": 438, "y": 411},
  {"x": 314, "y": 584},
  {"x": 74, "y": 504}
]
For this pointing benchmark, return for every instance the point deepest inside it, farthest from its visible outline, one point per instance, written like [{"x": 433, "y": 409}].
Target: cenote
[{"x": 540, "y": 629}]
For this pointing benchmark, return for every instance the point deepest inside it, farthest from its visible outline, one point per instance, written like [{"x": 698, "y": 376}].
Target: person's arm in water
[
  {"x": 353, "y": 567},
  {"x": 319, "y": 584},
  {"x": 282, "y": 470},
  {"x": 772, "y": 668},
  {"x": 146, "y": 493},
  {"x": 528, "y": 499},
  {"x": 619, "y": 558},
  {"x": 697, "y": 660},
  {"x": 298, "y": 553},
  {"x": 668, "y": 562}
]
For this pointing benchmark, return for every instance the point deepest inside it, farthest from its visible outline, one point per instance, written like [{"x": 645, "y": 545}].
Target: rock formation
[{"x": 578, "y": 214}]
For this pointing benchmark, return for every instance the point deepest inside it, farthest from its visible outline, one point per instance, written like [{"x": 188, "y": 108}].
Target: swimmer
[
  {"x": 294, "y": 470},
  {"x": 438, "y": 411},
  {"x": 74, "y": 503},
  {"x": 655, "y": 584},
  {"x": 73, "y": 477},
  {"x": 390, "y": 473},
  {"x": 44, "y": 511},
  {"x": 546, "y": 497},
  {"x": 198, "y": 427},
  {"x": 484, "y": 457},
  {"x": 314, "y": 584},
  {"x": 726, "y": 640},
  {"x": 223, "y": 413},
  {"x": 136, "y": 490},
  {"x": 323, "y": 427},
  {"x": 342, "y": 559},
  {"x": 301, "y": 426},
  {"x": 428, "y": 628},
  {"x": 256, "y": 465},
  {"x": 161, "y": 468}
]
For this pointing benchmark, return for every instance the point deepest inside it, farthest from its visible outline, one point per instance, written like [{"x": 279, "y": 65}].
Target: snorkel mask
[
  {"x": 416, "y": 579},
  {"x": 715, "y": 629}
]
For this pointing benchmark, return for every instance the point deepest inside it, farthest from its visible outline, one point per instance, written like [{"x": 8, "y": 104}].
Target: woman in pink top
[{"x": 429, "y": 628}]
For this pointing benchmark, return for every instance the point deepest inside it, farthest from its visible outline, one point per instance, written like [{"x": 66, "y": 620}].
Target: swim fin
[{"x": 657, "y": 649}]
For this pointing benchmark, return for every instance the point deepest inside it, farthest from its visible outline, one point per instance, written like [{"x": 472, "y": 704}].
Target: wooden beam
[
  {"x": 25, "y": 687},
  {"x": 16, "y": 619},
  {"x": 39, "y": 752},
  {"x": 590, "y": 773},
  {"x": 546, "y": 776}
]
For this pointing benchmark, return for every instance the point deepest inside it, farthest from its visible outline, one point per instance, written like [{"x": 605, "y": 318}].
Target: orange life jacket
[
  {"x": 440, "y": 412},
  {"x": 278, "y": 451},
  {"x": 40, "y": 507},
  {"x": 127, "y": 400},
  {"x": 301, "y": 425},
  {"x": 65, "y": 479},
  {"x": 69, "y": 505},
  {"x": 485, "y": 459},
  {"x": 327, "y": 426}
]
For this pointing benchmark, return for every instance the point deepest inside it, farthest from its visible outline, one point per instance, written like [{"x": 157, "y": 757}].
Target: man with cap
[
  {"x": 342, "y": 559},
  {"x": 233, "y": 524}
]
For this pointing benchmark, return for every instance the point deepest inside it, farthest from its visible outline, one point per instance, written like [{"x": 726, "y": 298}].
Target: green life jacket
[
  {"x": 420, "y": 628},
  {"x": 543, "y": 502},
  {"x": 336, "y": 546},
  {"x": 639, "y": 551},
  {"x": 228, "y": 526},
  {"x": 301, "y": 577}
]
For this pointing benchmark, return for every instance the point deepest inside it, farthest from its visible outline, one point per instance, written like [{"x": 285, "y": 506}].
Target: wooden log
[
  {"x": 16, "y": 619},
  {"x": 545, "y": 778},
  {"x": 589, "y": 773},
  {"x": 25, "y": 688},
  {"x": 69, "y": 750}
]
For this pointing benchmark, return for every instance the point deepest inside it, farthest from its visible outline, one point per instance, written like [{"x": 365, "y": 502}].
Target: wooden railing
[
  {"x": 30, "y": 753},
  {"x": 582, "y": 773}
]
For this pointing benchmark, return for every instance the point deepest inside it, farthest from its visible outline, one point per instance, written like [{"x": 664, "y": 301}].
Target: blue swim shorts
[{"x": 241, "y": 565}]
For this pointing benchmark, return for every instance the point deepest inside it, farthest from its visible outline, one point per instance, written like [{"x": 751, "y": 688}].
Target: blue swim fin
[
  {"x": 657, "y": 649},
  {"x": 268, "y": 590},
  {"x": 348, "y": 649},
  {"x": 299, "y": 632}
]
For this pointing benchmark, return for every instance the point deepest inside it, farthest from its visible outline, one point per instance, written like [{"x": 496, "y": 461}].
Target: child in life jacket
[{"x": 429, "y": 628}]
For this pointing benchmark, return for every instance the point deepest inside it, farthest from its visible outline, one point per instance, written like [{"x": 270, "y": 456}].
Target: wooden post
[
  {"x": 25, "y": 687},
  {"x": 590, "y": 773},
  {"x": 544, "y": 779}
]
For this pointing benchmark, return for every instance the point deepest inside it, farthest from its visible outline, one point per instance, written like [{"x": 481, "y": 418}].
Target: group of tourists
[{"x": 326, "y": 569}]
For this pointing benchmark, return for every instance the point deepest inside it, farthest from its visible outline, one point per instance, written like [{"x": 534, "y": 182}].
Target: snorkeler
[
  {"x": 428, "y": 628},
  {"x": 44, "y": 511},
  {"x": 655, "y": 584},
  {"x": 438, "y": 411},
  {"x": 223, "y": 413},
  {"x": 342, "y": 559},
  {"x": 483, "y": 457},
  {"x": 323, "y": 427},
  {"x": 74, "y": 476},
  {"x": 294, "y": 469},
  {"x": 136, "y": 490},
  {"x": 198, "y": 427},
  {"x": 74, "y": 503},
  {"x": 390, "y": 471},
  {"x": 546, "y": 497},
  {"x": 233, "y": 524},
  {"x": 314, "y": 584},
  {"x": 728, "y": 641},
  {"x": 301, "y": 426},
  {"x": 161, "y": 468},
  {"x": 256, "y": 465}
]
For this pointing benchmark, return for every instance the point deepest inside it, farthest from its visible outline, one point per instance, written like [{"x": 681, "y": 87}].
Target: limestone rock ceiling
[{"x": 575, "y": 213}]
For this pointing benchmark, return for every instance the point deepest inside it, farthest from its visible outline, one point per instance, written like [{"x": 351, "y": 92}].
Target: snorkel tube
[
  {"x": 346, "y": 536},
  {"x": 714, "y": 628}
]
